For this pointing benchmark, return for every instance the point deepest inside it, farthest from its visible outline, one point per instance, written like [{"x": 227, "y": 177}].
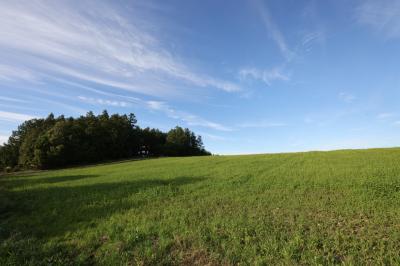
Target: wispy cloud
[
  {"x": 13, "y": 73},
  {"x": 213, "y": 137},
  {"x": 92, "y": 42},
  {"x": 267, "y": 75},
  {"x": 312, "y": 30},
  {"x": 14, "y": 117},
  {"x": 347, "y": 97},
  {"x": 48, "y": 99},
  {"x": 10, "y": 99},
  {"x": 273, "y": 30},
  {"x": 100, "y": 101},
  {"x": 310, "y": 38},
  {"x": 190, "y": 119},
  {"x": 24, "y": 107},
  {"x": 382, "y": 16},
  {"x": 152, "y": 105}
]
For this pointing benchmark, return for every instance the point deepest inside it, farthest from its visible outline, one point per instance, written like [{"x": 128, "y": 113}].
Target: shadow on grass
[
  {"x": 32, "y": 172},
  {"x": 53, "y": 211},
  {"x": 30, "y": 180}
]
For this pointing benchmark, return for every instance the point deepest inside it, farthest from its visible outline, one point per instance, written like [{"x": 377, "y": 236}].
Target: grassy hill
[{"x": 300, "y": 208}]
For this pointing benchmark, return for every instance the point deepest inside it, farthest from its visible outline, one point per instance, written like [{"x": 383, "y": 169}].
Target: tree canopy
[{"x": 55, "y": 142}]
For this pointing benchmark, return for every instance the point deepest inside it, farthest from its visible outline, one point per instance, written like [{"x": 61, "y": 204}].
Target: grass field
[{"x": 301, "y": 208}]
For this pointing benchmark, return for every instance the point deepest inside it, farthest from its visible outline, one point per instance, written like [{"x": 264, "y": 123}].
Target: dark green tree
[{"x": 56, "y": 142}]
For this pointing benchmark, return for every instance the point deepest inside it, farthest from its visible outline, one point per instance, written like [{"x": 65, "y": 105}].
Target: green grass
[{"x": 303, "y": 208}]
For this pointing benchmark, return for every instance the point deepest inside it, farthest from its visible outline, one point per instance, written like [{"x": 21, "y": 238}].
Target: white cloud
[
  {"x": 382, "y": 16},
  {"x": 213, "y": 137},
  {"x": 160, "y": 106},
  {"x": 9, "y": 99},
  {"x": 92, "y": 45},
  {"x": 157, "y": 105},
  {"x": 347, "y": 97},
  {"x": 14, "y": 117},
  {"x": 311, "y": 38},
  {"x": 190, "y": 119},
  {"x": 266, "y": 76},
  {"x": 312, "y": 27},
  {"x": 25, "y": 107},
  {"x": 12, "y": 73},
  {"x": 94, "y": 42},
  {"x": 107, "y": 102},
  {"x": 194, "y": 120},
  {"x": 49, "y": 103},
  {"x": 275, "y": 34}
]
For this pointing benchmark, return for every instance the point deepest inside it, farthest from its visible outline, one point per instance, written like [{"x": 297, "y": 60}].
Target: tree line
[{"x": 56, "y": 142}]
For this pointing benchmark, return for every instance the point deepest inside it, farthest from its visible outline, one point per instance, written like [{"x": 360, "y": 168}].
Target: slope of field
[{"x": 301, "y": 208}]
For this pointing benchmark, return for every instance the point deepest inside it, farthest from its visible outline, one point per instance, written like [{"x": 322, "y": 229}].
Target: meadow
[{"x": 339, "y": 207}]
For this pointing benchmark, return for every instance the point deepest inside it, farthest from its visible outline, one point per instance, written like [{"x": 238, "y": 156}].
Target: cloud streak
[
  {"x": 267, "y": 76},
  {"x": 382, "y": 16},
  {"x": 273, "y": 30},
  {"x": 12, "y": 73},
  {"x": 101, "y": 101},
  {"x": 14, "y": 117},
  {"x": 190, "y": 119},
  {"x": 91, "y": 42},
  {"x": 9, "y": 99},
  {"x": 158, "y": 106}
]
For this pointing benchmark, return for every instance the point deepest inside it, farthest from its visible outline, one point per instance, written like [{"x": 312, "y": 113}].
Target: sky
[{"x": 249, "y": 76}]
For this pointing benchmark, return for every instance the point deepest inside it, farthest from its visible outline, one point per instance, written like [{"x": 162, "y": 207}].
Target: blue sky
[{"x": 249, "y": 76}]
